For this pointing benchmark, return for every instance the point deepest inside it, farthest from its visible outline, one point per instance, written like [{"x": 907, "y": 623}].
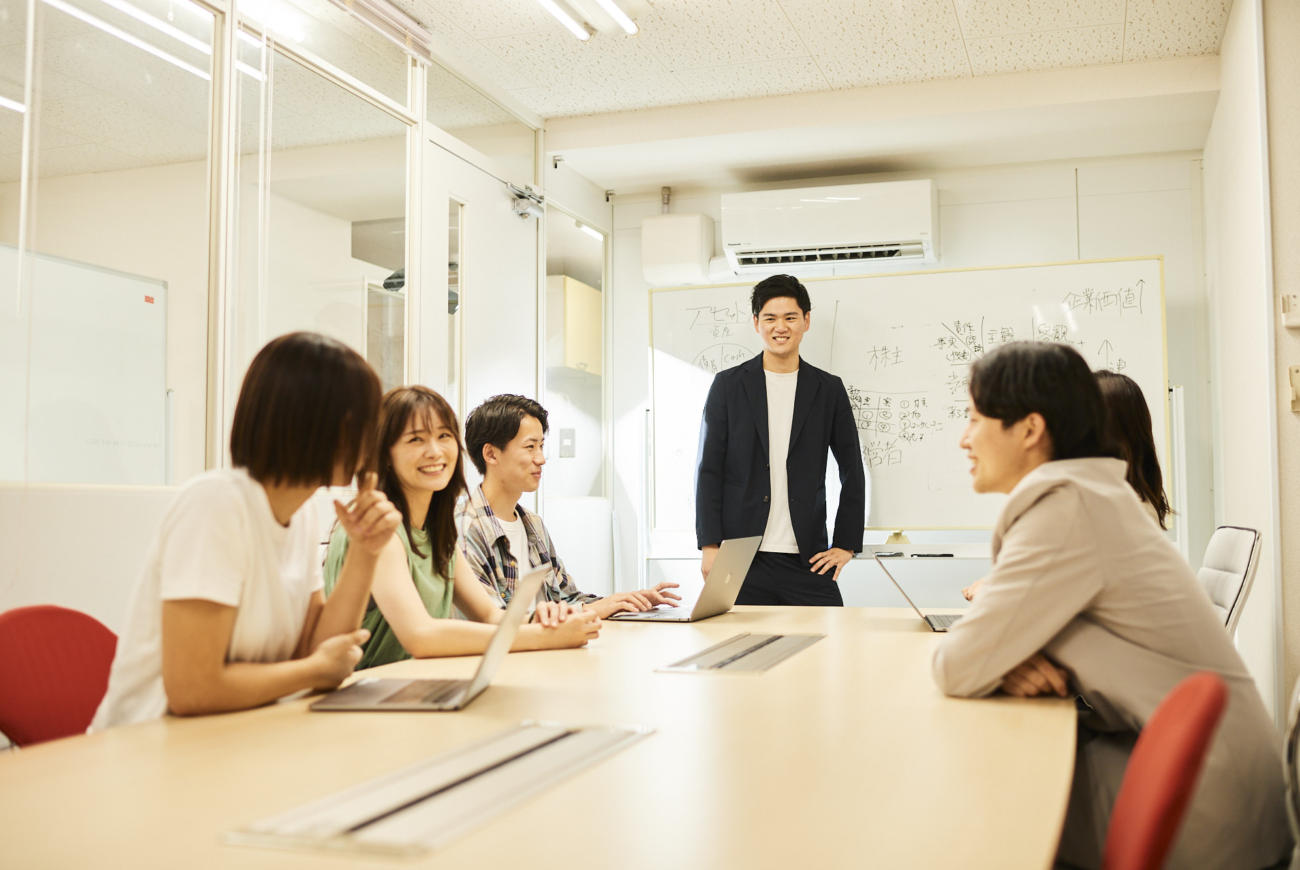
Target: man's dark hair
[
  {"x": 496, "y": 422},
  {"x": 776, "y": 287},
  {"x": 1024, "y": 377},
  {"x": 308, "y": 404}
]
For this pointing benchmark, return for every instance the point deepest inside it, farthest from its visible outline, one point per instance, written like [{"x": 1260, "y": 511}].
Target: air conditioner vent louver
[
  {"x": 843, "y": 227},
  {"x": 838, "y": 253}
]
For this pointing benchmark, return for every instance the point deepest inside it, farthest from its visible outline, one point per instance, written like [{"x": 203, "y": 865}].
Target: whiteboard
[
  {"x": 903, "y": 344},
  {"x": 85, "y": 400}
]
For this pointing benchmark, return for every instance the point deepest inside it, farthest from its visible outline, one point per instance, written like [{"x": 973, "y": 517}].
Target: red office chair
[
  {"x": 54, "y": 665},
  {"x": 1162, "y": 773}
]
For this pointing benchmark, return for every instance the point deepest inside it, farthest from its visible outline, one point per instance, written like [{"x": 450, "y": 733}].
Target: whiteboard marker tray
[
  {"x": 429, "y": 804},
  {"x": 744, "y": 653}
]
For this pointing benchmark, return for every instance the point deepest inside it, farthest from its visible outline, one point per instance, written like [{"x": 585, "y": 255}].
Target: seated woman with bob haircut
[
  {"x": 229, "y": 612},
  {"x": 1087, "y": 597},
  {"x": 422, "y": 471}
]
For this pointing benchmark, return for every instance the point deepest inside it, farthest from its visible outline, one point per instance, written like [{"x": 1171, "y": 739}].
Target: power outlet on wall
[
  {"x": 568, "y": 437},
  {"x": 1291, "y": 310}
]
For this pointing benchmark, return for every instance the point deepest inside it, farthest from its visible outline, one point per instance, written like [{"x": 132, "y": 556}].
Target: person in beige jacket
[{"x": 1086, "y": 597}]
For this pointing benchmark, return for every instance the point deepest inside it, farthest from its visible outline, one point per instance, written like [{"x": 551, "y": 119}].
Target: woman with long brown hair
[
  {"x": 419, "y": 575},
  {"x": 1128, "y": 426}
]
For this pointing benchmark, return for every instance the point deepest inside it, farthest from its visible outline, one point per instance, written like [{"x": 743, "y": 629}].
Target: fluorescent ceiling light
[
  {"x": 591, "y": 231},
  {"x": 162, "y": 26},
  {"x": 562, "y": 15},
  {"x": 619, "y": 16},
  {"x": 126, "y": 37},
  {"x": 13, "y": 105}
]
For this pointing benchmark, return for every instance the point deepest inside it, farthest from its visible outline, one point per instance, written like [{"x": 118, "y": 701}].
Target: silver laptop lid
[
  {"x": 725, "y": 577},
  {"x": 899, "y": 586},
  {"x": 526, "y": 589}
]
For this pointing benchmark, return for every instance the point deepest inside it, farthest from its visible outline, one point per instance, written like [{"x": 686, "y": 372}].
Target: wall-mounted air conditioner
[{"x": 854, "y": 226}]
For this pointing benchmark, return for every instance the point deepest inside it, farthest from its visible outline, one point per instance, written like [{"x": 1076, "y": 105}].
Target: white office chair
[{"x": 1228, "y": 570}]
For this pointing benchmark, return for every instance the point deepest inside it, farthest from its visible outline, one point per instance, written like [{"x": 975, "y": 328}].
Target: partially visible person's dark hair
[
  {"x": 1015, "y": 380},
  {"x": 496, "y": 422},
  {"x": 418, "y": 406},
  {"x": 777, "y": 287},
  {"x": 308, "y": 404},
  {"x": 1128, "y": 426}
]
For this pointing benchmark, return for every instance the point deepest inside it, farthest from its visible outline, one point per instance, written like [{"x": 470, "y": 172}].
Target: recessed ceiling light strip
[
  {"x": 13, "y": 105},
  {"x": 570, "y": 22},
  {"x": 619, "y": 16}
]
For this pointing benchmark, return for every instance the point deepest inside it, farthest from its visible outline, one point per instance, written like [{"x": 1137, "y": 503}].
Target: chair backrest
[
  {"x": 1228, "y": 570},
  {"x": 54, "y": 665},
  {"x": 1291, "y": 764},
  {"x": 1162, "y": 772}
]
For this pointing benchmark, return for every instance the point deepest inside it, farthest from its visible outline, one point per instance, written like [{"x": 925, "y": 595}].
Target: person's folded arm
[{"x": 1045, "y": 576}]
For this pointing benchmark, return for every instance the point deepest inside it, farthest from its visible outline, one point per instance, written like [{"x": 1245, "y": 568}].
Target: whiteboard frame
[{"x": 652, "y": 483}]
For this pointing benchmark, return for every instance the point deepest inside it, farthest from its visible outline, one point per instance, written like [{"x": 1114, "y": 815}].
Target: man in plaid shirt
[{"x": 505, "y": 437}]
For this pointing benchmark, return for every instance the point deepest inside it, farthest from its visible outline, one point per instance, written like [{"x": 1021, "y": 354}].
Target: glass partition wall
[{"x": 178, "y": 186}]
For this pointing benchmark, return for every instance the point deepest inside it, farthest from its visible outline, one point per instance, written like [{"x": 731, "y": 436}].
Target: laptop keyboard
[
  {"x": 425, "y": 692},
  {"x": 942, "y": 621}
]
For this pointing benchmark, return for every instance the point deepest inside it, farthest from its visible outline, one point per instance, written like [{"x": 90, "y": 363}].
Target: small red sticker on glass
[{"x": 149, "y": 299}]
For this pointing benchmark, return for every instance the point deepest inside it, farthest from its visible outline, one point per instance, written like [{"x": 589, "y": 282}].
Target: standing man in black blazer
[{"x": 768, "y": 423}]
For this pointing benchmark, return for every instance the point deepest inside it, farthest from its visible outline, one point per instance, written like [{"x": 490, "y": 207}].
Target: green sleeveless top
[{"x": 434, "y": 590}]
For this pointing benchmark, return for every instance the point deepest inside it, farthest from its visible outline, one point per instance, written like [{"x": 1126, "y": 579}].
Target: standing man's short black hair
[
  {"x": 496, "y": 422},
  {"x": 1018, "y": 379},
  {"x": 776, "y": 287}
]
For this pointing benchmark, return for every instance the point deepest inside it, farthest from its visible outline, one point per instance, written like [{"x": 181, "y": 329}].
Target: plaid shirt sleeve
[{"x": 496, "y": 576}]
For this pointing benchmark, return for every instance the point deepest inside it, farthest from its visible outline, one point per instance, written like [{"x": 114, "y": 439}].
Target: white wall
[
  {"x": 1239, "y": 287},
  {"x": 1282, "y": 67},
  {"x": 1000, "y": 215},
  {"x": 154, "y": 222},
  {"x": 151, "y": 222}
]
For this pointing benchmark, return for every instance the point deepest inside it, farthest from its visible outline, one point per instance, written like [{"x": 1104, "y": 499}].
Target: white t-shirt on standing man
[
  {"x": 218, "y": 542},
  {"x": 779, "y": 537}
]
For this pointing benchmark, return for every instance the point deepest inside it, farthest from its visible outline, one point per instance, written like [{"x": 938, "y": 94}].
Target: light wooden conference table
[{"x": 845, "y": 755}]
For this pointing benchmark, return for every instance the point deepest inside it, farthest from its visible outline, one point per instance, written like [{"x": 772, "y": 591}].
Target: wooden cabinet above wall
[{"x": 574, "y": 325}]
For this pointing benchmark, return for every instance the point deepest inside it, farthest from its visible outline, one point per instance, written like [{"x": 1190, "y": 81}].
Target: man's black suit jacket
[{"x": 733, "y": 485}]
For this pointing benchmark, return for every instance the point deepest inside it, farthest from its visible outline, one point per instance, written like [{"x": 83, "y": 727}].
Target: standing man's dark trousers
[{"x": 784, "y": 579}]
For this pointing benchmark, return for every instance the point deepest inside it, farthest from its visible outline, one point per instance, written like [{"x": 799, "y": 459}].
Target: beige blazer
[{"x": 1081, "y": 573}]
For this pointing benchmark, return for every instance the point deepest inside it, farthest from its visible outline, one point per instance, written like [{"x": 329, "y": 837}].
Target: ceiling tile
[
  {"x": 860, "y": 43},
  {"x": 689, "y": 34},
  {"x": 589, "y": 97},
  {"x": 488, "y": 18},
  {"x": 755, "y": 79},
  {"x": 604, "y": 61},
  {"x": 990, "y": 18},
  {"x": 1174, "y": 28},
  {"x": 1078, "y": 46}
]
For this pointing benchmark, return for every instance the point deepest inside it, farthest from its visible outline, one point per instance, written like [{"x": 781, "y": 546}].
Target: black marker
[
  {"x": 889, "y": 555},
  {"x": 932, "y": 555}
]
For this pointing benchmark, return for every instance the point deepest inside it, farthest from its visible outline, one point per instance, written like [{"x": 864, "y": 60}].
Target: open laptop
[
  {"x": 720, "y": 588},
  {"x": 374, "y": 693},
  {"x": 936, "y": 621}
]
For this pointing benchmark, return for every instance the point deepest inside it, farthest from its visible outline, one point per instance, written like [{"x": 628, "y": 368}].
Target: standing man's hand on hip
[
  {"x": 833, "y": 558},
  {"x": 706, "y": 559}
]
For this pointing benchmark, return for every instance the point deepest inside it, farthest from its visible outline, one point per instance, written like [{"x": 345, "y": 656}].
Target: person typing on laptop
[
  {"x": 500, "y": 539},
  {"x": 1087, "y": 597},
  {"x": 418, "y": 576}
]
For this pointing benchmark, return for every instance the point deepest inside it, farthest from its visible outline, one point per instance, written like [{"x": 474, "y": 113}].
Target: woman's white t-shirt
[{"x": 218, "y": 542}]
